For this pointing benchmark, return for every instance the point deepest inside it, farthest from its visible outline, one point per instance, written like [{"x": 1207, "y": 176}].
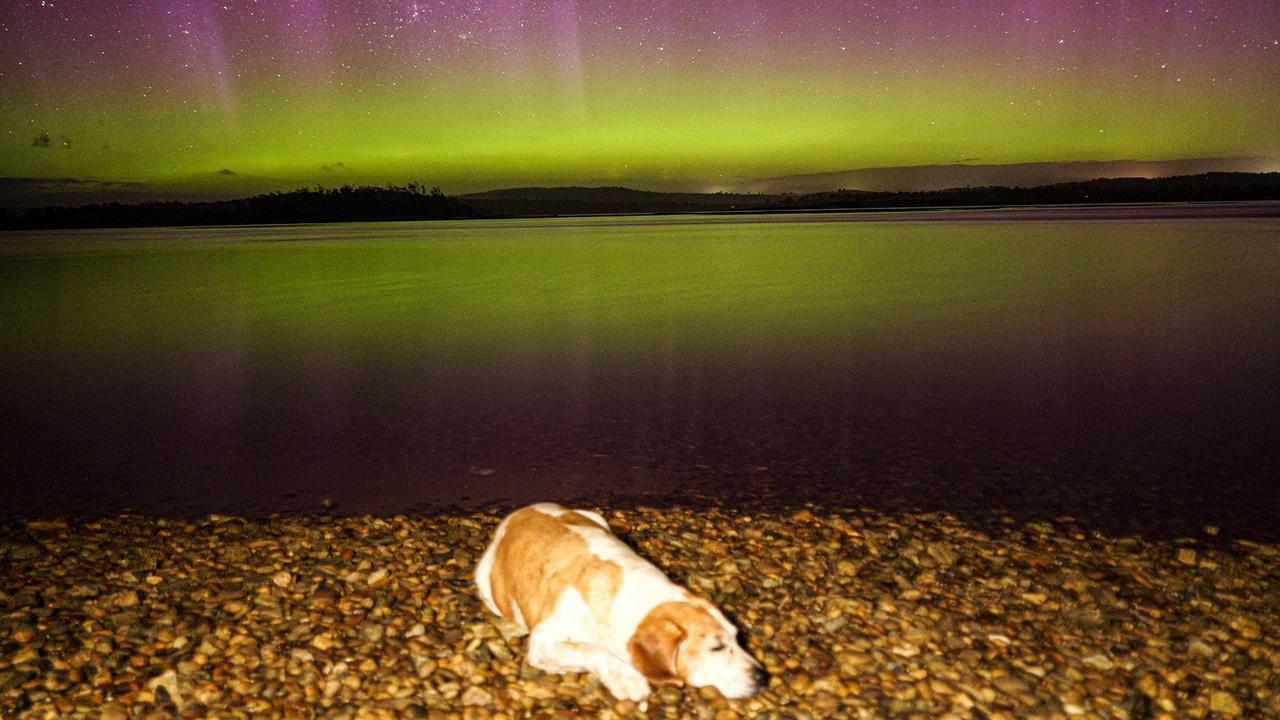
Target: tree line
[
  {"x": 316, "y": 205},
  {"x": 418, "y": 202}
]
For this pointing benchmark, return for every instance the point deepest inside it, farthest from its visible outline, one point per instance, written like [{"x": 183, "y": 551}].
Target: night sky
[{"x": 202, "y": 97}]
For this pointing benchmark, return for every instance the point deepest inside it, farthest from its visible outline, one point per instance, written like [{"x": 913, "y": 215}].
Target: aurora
[{"x": 200, "y": 98}]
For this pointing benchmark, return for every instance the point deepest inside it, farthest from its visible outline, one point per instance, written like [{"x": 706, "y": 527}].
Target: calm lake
[{"x": 1117, "y": 367}]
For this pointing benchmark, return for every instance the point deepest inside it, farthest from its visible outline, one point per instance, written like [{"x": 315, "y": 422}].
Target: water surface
[{"x": 1120, "y": 369}]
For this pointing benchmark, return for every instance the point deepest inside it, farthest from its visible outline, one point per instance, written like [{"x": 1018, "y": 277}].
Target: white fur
[
  {"x": 485, "y": 569},
  {"x": 566, "y": 642}
]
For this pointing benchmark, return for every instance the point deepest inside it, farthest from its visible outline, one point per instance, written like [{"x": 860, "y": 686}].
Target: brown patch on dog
[
  {"x": 654, "y": 647},
  {"x": 573, "y": 517},
  {"x": 539, "y": 557},
  {"x": 666, "y": 639}
]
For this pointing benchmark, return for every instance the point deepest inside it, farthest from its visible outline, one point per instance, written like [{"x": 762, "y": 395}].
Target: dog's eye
[{"x": 719, "y": 647}]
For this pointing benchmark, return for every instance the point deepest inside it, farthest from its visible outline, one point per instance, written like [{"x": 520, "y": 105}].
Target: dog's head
[{"x": 691, "y": 642}]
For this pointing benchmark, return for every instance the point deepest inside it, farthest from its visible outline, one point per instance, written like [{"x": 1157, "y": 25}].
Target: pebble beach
[{"x": 855, "y": 613}]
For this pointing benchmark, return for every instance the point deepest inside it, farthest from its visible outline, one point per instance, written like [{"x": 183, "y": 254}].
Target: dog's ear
[{"x": 653, "y": 649}]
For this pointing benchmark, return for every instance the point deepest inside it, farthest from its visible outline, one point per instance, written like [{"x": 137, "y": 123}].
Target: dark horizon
[{"x": 416, "y": 202}]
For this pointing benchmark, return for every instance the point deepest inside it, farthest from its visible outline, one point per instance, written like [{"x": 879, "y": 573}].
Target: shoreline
[
  {"x": 1150, "y": 512},
  {"x": 1064, "y": 211},
  {"x": 864, "y": 614}
]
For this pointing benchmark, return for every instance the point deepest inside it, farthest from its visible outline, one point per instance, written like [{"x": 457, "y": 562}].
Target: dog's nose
[{"x": 760, "y": 676}]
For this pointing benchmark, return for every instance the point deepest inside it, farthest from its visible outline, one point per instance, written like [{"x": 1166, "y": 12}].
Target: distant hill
[
  {"x": 924, "y": 178},
  {"x": 532, "y": 201},
  {"x": 1182, "y": 188},
  {"x": 540, "y": 201}
]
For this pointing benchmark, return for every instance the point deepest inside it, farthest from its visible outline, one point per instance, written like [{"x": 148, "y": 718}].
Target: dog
[{"x": 590, "y": 603}]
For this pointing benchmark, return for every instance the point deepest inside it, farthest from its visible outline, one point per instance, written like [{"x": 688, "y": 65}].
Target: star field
[{"x": 235, "y": 95}]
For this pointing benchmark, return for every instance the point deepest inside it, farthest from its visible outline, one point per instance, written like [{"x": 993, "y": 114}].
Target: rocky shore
[{"x": 856, "y": 614}]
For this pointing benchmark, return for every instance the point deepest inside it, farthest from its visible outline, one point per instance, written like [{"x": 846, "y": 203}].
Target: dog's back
[{"x": 537, "y": 553}]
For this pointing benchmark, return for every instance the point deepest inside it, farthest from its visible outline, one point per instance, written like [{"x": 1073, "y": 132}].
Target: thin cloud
[
  {"x": 33, "y": 192},
  {"x": 226, "y": 171},
  {"x": 332, "y": 167},
  {"x": 51, "y": 183}
]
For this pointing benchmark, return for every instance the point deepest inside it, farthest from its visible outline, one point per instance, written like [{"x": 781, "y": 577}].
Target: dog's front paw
[{"x": 626, "y": 684}]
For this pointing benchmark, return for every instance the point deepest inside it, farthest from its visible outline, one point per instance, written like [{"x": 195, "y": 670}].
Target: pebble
[
  {"x": 1011, "y": 685},
  {"x": 856, "y": 614},
  {"x": 1101, "y": 662},
  {"x": 476, "y": 696},
  {"x": 113, "y": 711},
  {"x": 371, "y": 632},
  {"x": 1224, "y": 703},
  {"x": 799, "y": 682},
  {"x": 1199, "y": 647}
]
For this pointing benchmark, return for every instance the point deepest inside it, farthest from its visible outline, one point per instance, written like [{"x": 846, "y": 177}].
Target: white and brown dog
[{"x": 589, "y": 603}]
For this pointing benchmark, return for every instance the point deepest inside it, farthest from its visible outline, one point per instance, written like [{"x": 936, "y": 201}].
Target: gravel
[{"x": 854, "y": 613}]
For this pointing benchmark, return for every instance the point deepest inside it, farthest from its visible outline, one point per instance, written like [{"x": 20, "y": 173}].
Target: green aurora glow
[{"x": 228, "y": 100}]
